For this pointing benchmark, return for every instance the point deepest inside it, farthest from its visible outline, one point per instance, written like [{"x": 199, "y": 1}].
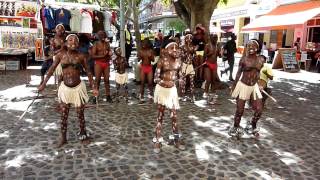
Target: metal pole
[{"x": 122, "y": 37}]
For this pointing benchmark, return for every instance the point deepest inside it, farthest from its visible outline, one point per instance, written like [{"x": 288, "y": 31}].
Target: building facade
[{"x": 159, "y": 16}]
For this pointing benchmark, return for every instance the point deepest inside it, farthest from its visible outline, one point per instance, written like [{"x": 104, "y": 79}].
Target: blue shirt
[
  {"x": 62, "y": 16},
  {"x": 49, "y": 18}
]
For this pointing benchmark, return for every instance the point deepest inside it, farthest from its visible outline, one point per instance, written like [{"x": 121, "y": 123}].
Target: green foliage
[
  {"x": 177, "y": 24},
  {"x": 166, "y": 3}
]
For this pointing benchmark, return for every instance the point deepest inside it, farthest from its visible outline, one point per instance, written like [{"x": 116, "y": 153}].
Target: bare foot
[{"x": 157, "y": 148}]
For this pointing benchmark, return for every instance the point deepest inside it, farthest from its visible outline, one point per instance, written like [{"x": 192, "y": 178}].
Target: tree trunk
[
  {"x": 195, "y": 12},
  {"x": 136, "y": 27}
]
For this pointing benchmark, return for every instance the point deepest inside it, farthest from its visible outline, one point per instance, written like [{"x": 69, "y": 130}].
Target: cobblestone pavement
[{"x": 288, "y": 146}]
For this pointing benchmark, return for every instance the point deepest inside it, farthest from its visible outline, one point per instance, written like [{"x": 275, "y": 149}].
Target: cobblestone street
[{"x": 288, "y": 146}]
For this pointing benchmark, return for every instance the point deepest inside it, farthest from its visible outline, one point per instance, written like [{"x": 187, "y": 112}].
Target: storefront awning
[{"x": 285, "y": 16}]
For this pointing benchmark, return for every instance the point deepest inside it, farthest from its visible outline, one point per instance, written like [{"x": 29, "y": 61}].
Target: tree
[
  {"x": 177, "y": 24},
  {"x": 194, "y": 12}
]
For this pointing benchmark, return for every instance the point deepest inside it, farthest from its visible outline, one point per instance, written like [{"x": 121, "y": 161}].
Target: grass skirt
[
  {"x": 244, "y": 92},
  {"x": 73, "y": 95},
  {"x": 167, "y": 97},
  {"x": 121, "y": 78}
]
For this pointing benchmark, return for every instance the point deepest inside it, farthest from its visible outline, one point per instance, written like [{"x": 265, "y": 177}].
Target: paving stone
[{"x": 122, "y": 134}]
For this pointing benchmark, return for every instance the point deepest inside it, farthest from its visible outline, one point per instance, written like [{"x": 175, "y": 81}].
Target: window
[{"x": 273, "y": 36}]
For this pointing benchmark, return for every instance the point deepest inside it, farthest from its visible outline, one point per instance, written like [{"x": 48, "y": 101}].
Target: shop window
[
  {"x": 314, "y": 35},
  {"x": 311, "y": 22},
  {"x": 273, "y": 36}
]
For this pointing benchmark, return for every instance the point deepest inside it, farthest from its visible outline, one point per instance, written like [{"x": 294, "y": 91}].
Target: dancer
[
  {"x": 211, "y": 53},
  {"x": 146, "y": 56},
  {"x": 247, "y": 88},
  {"x": 72, "y": 90},
  {"x": 187, "y": 67},
  {"x": 166, "y": 95},
  {"x": 120, "y": 65},
  {"x": 58, "y": 46},
  {"x": 199, "y": 41},
  {"x": 101, "y": 53}
]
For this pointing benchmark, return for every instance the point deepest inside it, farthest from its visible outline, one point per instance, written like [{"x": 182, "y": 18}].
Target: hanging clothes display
[
  {"x": 63, "y": 16},
  {"x": 49, "y": 15},
  {"x": 75, "y": 21},
  {"x": 86, "y": 21},
  {"x": 98, "y": 21}
]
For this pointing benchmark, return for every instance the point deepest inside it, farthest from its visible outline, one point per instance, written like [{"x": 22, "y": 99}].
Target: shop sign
[
  {"x": 228, "y": 22},
  {"x": 230, "y": 14}
]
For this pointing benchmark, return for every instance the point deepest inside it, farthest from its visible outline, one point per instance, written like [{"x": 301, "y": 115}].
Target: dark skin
[
  {"x": 188, "y": 56},
  {"x": 249, "y": 67},
  {"x": 58, "y": 43},
  {"x": 199, "y": 59},
  {"x": 211, "y": 53},
  {"x": 120, "y": 65},
  {"x": 146, "y": 55},
  {"x": 101, "y": 51},
  {"x": 167, "y": 72},
  {"x": 71, "y": 77}
]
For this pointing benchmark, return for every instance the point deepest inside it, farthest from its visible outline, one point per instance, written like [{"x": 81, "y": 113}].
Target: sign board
[{"x": 286, "y": 58}]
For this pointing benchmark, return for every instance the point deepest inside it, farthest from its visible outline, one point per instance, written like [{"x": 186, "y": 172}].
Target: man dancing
[
  {"x": 58, "y": 46},
  {"x": 146, "y": 56},
  {"x": 166, "y": 95},
  {"x": 187, "y": 67},
  {"x": 211, "y": 53},
  {"x": 120, "y": 65},
  {"x": 72, "y": 90},
  {"x": 101, "y": 53}
]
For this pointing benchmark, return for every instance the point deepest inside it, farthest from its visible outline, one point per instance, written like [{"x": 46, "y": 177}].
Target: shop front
[
  {"x": 18, "y": 31},
  {"x": 292, "y": 26}
]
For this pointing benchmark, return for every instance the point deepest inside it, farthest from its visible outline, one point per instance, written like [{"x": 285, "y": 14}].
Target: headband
[
  {"x": 61, "y": 26},
  {"x": 170, "y": 44},
  {"x": 256, "y": 42},
  {"x": 72, "y": 35}
]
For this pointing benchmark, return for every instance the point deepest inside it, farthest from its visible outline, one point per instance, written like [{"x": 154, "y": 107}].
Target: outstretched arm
[{"x": 50, "y": 72}]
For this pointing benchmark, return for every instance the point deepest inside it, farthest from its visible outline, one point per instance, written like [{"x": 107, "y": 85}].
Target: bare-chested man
[
  {"x": 247, "y": 88},
  {"x": 188, "y": 73},
  {"x": 146, "y": 55},
  {"x": 101, "y": 54},
  {"x": 120, "y": 65},
  {"x": 72, "y": 90},
  {"x": 58, "y": 46},
  {"x": 166, "y": 95},
  {"x": 211, "y": 53}
]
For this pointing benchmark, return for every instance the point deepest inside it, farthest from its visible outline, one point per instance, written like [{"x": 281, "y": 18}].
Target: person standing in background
[
  {"x": 129, "y": 43},
  {"x": 229, "y": 49}
]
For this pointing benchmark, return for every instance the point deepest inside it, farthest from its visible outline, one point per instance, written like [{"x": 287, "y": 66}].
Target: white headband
[
  {"x": 256, "y": 42},
  {"x": 61, "y": 26},
  {"x": 170, "y": 44},
  {"x": 72, "y": 35}
]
